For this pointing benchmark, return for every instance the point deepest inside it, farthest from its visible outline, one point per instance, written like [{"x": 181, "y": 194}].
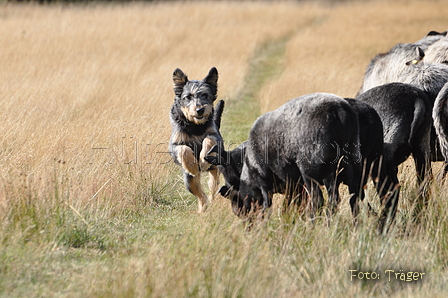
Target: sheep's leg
[
  {"x": 293, "y": 193},
  {"x": 352, "y": 174},
  {"x": 332, "y": 186},
  {"x": 316, "y": 196},
  {"x": 424, "y": 175},
  {"x": 388, "y": 189}
]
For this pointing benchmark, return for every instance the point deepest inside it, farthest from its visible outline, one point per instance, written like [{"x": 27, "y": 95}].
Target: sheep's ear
[
  {"x": 420, "y": 54},
  {"x": 212, "y": 80},
  {"x": 179, "y": 81},
  {"x": 216, "y": 156},
  {"x": 432, "y": 32},
  {"x": 223, "y": 191}
]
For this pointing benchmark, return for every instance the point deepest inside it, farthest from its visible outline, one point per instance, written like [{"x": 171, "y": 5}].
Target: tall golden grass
[
  {"x": 331, "y": 54},
  {"x": 79, "y": 78},
  {"x": 90, "y": 204}
]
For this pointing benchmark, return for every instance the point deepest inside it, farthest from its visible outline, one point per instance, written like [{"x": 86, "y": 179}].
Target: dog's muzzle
[{"x": 200, "y": 111}]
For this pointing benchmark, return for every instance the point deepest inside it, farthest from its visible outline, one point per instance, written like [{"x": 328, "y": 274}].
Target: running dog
[{"x": 195, "y": 130}]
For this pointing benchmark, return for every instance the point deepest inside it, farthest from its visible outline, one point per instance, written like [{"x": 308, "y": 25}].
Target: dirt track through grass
[{"x": 265, "y": 64}]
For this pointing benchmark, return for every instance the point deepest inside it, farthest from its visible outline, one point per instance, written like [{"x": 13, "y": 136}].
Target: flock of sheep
[{"x": 322, "y": 139}]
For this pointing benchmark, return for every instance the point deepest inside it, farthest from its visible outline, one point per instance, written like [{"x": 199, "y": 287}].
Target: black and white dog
[{"x": 195, "y": 130}]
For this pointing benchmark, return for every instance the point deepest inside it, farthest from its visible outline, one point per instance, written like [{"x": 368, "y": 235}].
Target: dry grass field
[{"x": 91, "y": 204}]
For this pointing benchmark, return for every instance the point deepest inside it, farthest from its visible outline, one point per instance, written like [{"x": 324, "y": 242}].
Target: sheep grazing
[
  {"x": 388, "y": 67},
  {"x": 371, "y": 148},
  {"x": 310, "y": 141},
  {"x": 405, "y": 112},
  {"x": 440, "y": 118},
  {"x": 429, "y": 77}
]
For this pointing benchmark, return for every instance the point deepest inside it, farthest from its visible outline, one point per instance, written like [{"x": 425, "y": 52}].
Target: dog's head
[{"x": 196, "y": 97}]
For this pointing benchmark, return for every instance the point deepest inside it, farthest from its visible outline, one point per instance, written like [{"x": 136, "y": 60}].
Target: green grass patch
[{"x": 241, "y": 111}]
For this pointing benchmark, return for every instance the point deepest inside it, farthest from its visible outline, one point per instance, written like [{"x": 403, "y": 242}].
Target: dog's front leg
[
  {"x": 213, "y": 181},
  {"x": 207, "y": 144},
  {"x": 187, "y": 159}
]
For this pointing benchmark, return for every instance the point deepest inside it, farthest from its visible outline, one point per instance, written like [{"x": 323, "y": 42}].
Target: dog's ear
[
  {"x": 212, "y": 77},
  {"x": 212, "y": 80},
  {"x": 179, "y": 80}
]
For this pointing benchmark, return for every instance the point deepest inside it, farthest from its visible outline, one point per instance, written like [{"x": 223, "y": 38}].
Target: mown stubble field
[{"x": 92, "y": 206}]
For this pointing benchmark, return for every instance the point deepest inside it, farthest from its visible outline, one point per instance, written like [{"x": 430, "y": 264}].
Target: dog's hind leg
[
  {"x": 193, "y": 184},
  {"x": 213, "y": 181}
]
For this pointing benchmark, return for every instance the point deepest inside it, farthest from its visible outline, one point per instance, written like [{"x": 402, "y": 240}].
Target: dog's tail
[{"x": 218, "y": 113}]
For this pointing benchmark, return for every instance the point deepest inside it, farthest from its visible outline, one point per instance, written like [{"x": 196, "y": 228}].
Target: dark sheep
[
  {"x": 371, "y": 147},
  {"x": 405, "y": 112},
  {"x": 309, "y": 141},
  {"x": 429, "y": 77}
]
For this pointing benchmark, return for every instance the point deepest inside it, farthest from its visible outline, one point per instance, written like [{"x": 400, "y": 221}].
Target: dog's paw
[
  {"x": 203, "y": 208},
  {"x": 204, "y": 163}
]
